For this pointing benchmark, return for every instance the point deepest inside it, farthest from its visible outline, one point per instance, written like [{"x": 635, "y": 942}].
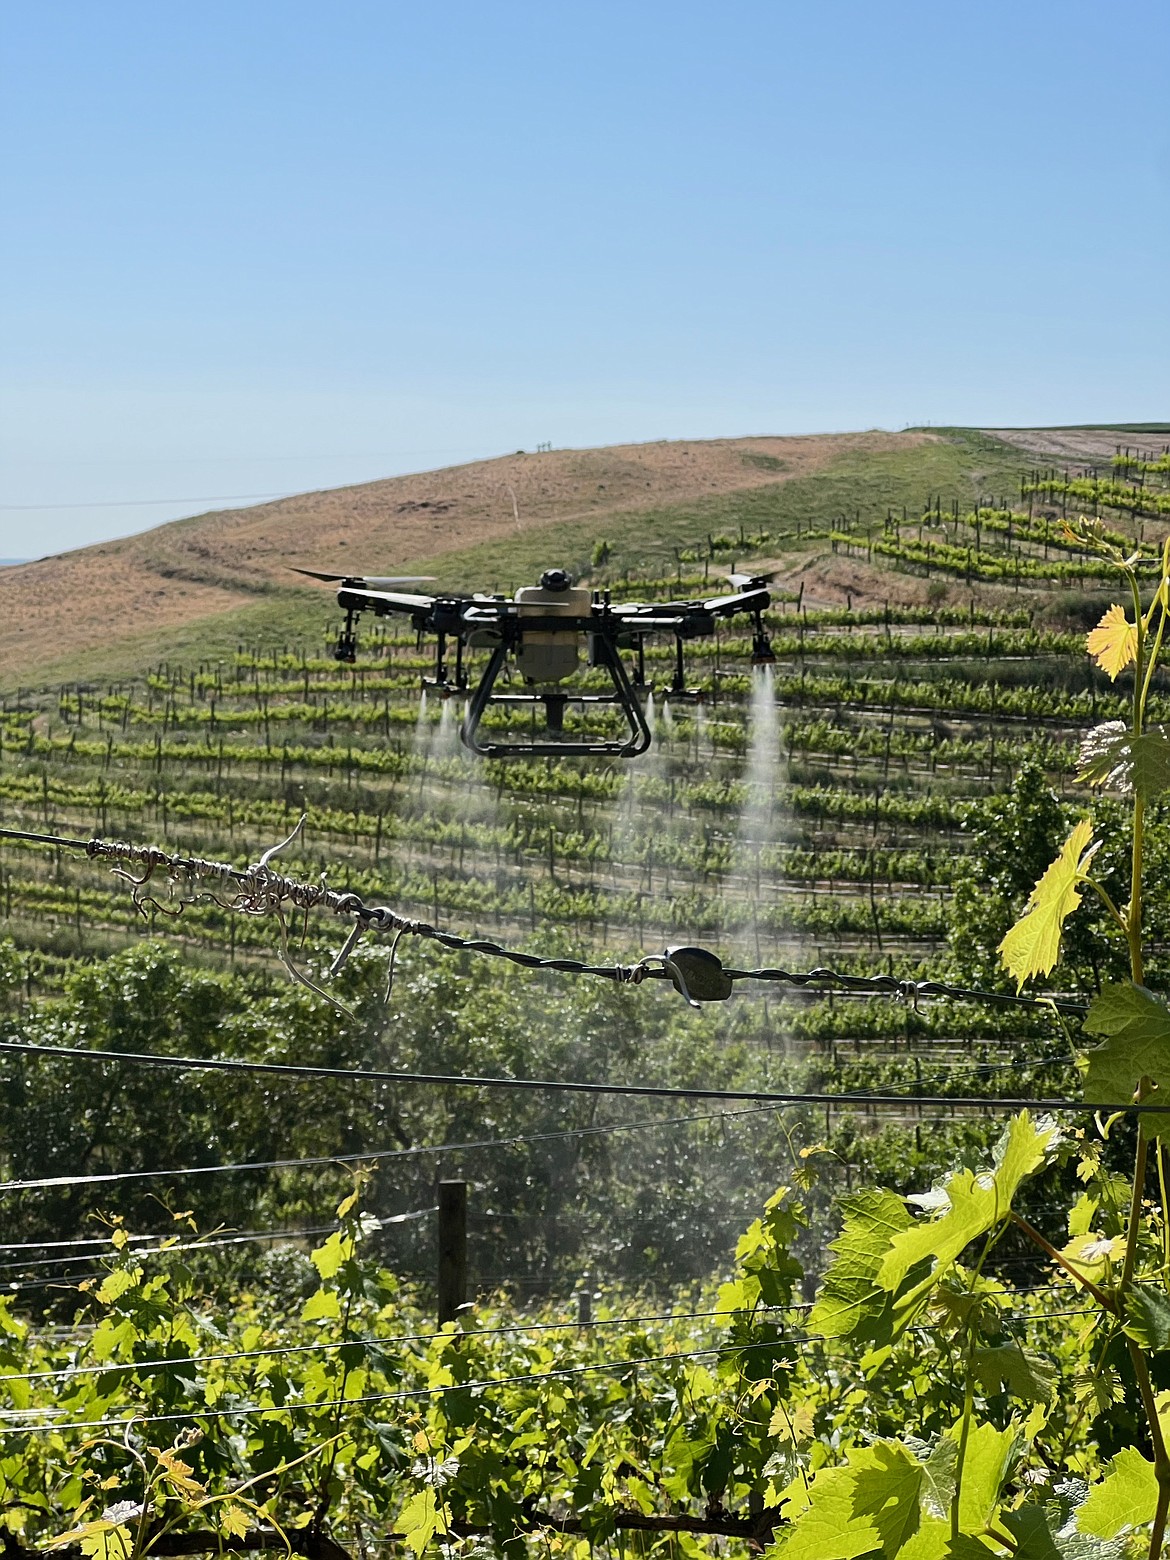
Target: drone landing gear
[
  {"x": 678, "y": 683},
  {"x": 624, "y": 696},
  {"x": 346, "y": 647}
]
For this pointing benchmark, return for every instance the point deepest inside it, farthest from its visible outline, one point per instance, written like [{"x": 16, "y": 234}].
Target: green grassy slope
[{"x": 965, "y": 465}]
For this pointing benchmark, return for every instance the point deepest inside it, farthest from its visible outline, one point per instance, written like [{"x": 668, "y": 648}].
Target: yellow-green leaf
[
  {"x": 974, "y": 1204},
  {"x": 851, "y": 1300},
  {"x": 418, "y": 1520},
  {"x": 233, "y": 1520},
  {"x": 116, "y": 1284},
  {"x": 100, "y": 1539},
  {"x": 991, "y": 1454},
  {"x": 10, "y": 1324},
  {"x": 870, "y": 1507},
  {"x": 322, "y": 1306},
  {"x": 1126, "y": 1497},
  {"x": 328, "y": 1258},
  {"x": 180, "y": 1474},
  {"x": 1032, "y": 946},
  {"x": 1113, "y": 643}
]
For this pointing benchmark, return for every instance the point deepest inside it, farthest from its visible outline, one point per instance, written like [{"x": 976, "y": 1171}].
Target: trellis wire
[
  {"x": 261, "y": 890},
  {"x": 770, "y": 1097},
  {"x": 324, "y": 1346},
  {"x": 414, "y": 1393},
  {"x": 371, "y": 1155}
]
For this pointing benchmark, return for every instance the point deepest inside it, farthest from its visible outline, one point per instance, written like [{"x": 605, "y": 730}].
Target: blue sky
[{"x": 260, "y": 246}]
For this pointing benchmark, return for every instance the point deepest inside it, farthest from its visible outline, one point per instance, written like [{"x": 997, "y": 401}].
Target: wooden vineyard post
[
  {"x": 585, "y": 1301},
  {"x": 452, "y": 1249}
]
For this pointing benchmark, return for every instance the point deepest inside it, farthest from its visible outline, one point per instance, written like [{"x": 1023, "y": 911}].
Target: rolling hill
[{"x": 200, "y": 585}]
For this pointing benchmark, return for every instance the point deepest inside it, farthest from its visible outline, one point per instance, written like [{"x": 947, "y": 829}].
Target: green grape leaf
[
  {"x": 1009, "y": 1368},
  {"x": 1028, "y": 1525},
  {"x": 19, "y": 1391},
  {"x": 1110, "y": 755},
  {"x": 322, "y": 1306},
  {"x": 870, "y": 1506},
  {"x": 1032, "y": 946},
  {"x": 1126, "y": 1497},
  {"x": 938, "y": 1478},
  {"x": 991, "y": 1456},
  {"x": 888, "y": 1491},
  {"x": 1025, "y": 1146},
  {"x": 118, "y": 1283},
  {"x": 1083, "y": 1214},
  {"x": 1083, "y": 1546},
  {"x": 10, "y": 1324},
  {"x": 975, "y": 1203},
  {"x": 1147, "y": 1317},
  {"x": 933, "y": 1541},
  {"x": 100, "y": 1539},
  {"x": 1033, "y": 1527},
  {"x": 850, "y": 1300},
  {"x": 418, "y": 1521},
  {"x": 1136, "y": 1025},
  {"x": 329, "y": 1257}
]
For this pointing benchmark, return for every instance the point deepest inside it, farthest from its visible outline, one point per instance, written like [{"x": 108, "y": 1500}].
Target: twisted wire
[{"x": 261, "y": 890}]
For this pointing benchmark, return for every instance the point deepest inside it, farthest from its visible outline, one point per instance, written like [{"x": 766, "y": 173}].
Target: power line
[
  {"x": 102, "y": 1242},
  {"x": 199, "y": 1245}
]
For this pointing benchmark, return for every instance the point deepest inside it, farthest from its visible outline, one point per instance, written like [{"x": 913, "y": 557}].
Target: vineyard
[{"x": 946, "y": 1335}]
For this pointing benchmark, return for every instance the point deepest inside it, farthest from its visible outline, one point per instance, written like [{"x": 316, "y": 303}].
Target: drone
[{"x": 541, "y": 634}]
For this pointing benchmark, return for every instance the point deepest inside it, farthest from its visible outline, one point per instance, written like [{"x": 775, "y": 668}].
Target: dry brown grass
[{"x": 177, "y": 574}]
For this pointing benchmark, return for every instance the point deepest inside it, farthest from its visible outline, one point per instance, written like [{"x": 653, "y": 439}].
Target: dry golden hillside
[{"x": 56, "y": 609}]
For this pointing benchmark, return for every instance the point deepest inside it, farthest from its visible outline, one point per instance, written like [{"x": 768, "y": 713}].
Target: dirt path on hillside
[{"x": 1076, "y": 446}]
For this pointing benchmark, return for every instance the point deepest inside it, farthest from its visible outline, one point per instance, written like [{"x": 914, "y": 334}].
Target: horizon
[{"x": 1150, "y": 430}]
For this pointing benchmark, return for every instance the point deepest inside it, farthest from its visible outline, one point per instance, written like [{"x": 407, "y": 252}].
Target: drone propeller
[
  {"x": 370, "y": 581},
  {"x": 751, "y": 581}
]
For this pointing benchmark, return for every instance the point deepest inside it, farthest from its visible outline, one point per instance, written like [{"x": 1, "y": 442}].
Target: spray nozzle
[{"x": 762, "y": 652}]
